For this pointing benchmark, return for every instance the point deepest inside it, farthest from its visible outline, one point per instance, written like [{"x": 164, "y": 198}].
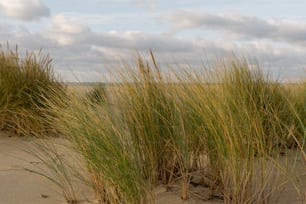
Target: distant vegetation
[{"x": 97, "y": 95}]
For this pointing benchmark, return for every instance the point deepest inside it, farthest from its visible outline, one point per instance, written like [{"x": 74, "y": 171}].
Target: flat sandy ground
[{"x": 18, "y": 186}]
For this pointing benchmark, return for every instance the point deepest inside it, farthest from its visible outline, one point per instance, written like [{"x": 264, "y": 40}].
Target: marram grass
[
  {"x": 149, "y": 131},
  {"x": 27, "y": 84}
]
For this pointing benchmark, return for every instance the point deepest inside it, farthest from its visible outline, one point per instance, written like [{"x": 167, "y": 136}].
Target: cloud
[
  {"x": 140, "y": 41},
  {"x": 240, "y": 25},
  {"x": 65, "y": 25},
  {"x": 64, "y": 30},
  {"x": 26, "y": 10},
  {"x": 77, "y": 48}
]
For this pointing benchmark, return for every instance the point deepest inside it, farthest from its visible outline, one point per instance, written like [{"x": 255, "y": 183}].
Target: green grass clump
[
  {"x": 26, "y": 84},
  {"x": 130, "y": 144},
  {"x": 148, "y": 114},
  {"x": 107, "y": 151},
  {"x": 243, "y": 119},
  {"x": 267, "y": 102},
  {"x": 152, "y": 131}
]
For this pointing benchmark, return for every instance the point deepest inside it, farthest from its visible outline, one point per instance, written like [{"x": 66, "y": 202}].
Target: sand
[
  {"x": 18, "y": 186},
  {"x": 22, "y": 187}
]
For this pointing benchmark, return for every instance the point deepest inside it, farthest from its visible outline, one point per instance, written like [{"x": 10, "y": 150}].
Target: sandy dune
[
  {"x": 18, "y": 186},
  {"x": 22, "y": 187}
]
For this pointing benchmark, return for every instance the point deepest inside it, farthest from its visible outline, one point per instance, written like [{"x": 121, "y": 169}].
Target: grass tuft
[
  {"x": 27, "y": 84},
  {"x": 229, "y": 126}
]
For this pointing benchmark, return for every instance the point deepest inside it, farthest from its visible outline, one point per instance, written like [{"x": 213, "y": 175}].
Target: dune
[{"x": 18, "y": 186}]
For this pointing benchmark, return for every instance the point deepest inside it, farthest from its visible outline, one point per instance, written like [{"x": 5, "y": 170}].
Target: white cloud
[
  {"x": 77, "y": 48},
  {"x": 64, "y": 30},
  {"x": 26, "y": 10},
  {"x": 65, "y": 25},
  {"x": 241, "y": 25}
]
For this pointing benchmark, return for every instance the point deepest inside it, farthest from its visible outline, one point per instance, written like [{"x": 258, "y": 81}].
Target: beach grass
[
  {"x": 230, "y": 126},
  {"x": 26, "y": 84},
  {"x": 241, "y": 125},
  {"x": 150, "y": 131}
]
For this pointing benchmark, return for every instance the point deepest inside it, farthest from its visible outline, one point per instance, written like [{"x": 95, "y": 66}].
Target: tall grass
[
  {"x": 150, "y": 131},
  {"x": 152, "y": 114},
  {"x": 248, "y": 119},
  {"x": 26, "y": 84},
  {"x": 148, "y": 114},
  {"x": 110, "y": 159}
]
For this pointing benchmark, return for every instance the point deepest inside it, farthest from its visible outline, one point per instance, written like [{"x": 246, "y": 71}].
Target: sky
[{"x": 88, "y": 38}]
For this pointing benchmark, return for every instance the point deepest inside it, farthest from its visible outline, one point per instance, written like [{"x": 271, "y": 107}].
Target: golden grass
[
  {"x": 26, "y": 84},
  {"x": 147, "y": 130}
]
